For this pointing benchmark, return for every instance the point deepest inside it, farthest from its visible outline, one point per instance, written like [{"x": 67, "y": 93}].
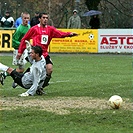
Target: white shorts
[{"x": 21, "y": 62}]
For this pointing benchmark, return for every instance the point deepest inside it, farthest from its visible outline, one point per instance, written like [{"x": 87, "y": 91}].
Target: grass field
[{"x": 76, "y": 99}]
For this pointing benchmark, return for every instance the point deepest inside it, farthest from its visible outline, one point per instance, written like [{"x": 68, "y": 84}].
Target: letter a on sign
[{"x": 104, "y": 41}]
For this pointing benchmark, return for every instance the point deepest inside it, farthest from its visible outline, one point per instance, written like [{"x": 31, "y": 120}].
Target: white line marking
[
  {"x": 59, "y": 81},
  {"x": 63, "y": 81}
]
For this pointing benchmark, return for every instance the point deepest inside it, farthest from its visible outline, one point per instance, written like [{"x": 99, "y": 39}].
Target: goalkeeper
[{"x": 33, "y": 79}]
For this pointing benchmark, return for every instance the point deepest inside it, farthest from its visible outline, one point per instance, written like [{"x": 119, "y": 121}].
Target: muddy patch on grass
[{"x": 60, "y": 105}]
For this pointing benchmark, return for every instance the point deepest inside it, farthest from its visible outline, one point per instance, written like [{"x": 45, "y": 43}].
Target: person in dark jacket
[
  {"x": 94, "y": 22},
  {"x": 35, "y": 19},
  {"x": 7, "y": 21}
]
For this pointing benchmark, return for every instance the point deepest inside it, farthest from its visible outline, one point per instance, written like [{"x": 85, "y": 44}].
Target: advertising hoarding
[{"x": 115, "y": 40}]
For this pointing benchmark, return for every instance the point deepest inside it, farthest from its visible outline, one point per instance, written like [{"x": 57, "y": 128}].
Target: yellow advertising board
[
  {"x": 6, "y": 40},
  {"x": 86, "y": 41}
]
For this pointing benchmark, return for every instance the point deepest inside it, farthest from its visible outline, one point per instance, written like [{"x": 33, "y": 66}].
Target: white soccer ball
[{"x": 115, "y": 101}]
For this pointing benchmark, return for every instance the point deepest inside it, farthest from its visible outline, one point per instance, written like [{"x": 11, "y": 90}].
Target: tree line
[{"x": 115, "y": 14}]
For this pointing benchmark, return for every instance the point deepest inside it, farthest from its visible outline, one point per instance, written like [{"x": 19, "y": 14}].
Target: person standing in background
[
  {"x": 35, "y": 19},
  {"x": 74, "y": 21},
  {"x": 94, "y": 22},
  {"x": 7, "y": 21}
]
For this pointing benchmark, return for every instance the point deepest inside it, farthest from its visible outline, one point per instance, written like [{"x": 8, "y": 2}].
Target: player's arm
[
  {"x": 60, "y": 34},
  {"x": 73, "y": 34}
]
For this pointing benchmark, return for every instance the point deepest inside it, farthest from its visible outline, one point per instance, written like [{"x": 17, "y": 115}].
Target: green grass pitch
[{"x": 76, "y": 99}]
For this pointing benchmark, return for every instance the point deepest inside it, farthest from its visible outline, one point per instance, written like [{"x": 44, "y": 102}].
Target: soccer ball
[{"x": 115, "y": 101}]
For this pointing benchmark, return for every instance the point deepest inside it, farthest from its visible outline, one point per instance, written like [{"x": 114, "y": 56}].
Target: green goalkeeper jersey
[{"x": 18, "y": 35}]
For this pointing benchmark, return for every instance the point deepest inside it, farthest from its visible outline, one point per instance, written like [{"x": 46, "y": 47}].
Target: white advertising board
[{"x": 115, "y": 41}]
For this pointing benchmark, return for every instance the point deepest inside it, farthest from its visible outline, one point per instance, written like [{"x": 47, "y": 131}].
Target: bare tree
[
  {"x": 92, "y": 4},
  {"x": 115, "y": 13}
]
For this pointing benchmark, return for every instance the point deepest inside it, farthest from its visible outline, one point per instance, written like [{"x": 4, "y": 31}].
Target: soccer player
[
  {"x": 17, "y": 36},
  {"x": 32, "y": 79},
  {"x": 42, "y": 34},
  {"x": 20, "y": 21}
]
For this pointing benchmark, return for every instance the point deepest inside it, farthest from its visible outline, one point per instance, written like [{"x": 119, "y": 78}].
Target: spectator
[
  {"x": 19, "y": 21},
  {"x": 7, "y": 20},
  {"x": 74, "y": 21},
  {"x": 35, "y": 19},
  {"x": 94, "y": 22}
]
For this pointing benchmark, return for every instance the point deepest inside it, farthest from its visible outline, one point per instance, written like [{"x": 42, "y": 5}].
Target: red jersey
[{"x": 41, "y": 36}]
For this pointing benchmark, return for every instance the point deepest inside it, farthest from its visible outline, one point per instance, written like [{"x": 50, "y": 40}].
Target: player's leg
[
  {"x": 13, "y": 73},
  {"x": 49, "y": 70},
  {"x": 20, "y": 63},
  {"x": 28, "y": 50},
  {"x": 6, "y": 69},
  {"x": 14, "y": 62},
  {"x": 17, "y": 77},
  {"x": 2, "y": 76},
  {"x": 20, "y": 69}
]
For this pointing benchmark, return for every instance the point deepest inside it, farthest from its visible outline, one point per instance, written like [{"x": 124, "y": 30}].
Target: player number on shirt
[{"x": 44, "y": 39}]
